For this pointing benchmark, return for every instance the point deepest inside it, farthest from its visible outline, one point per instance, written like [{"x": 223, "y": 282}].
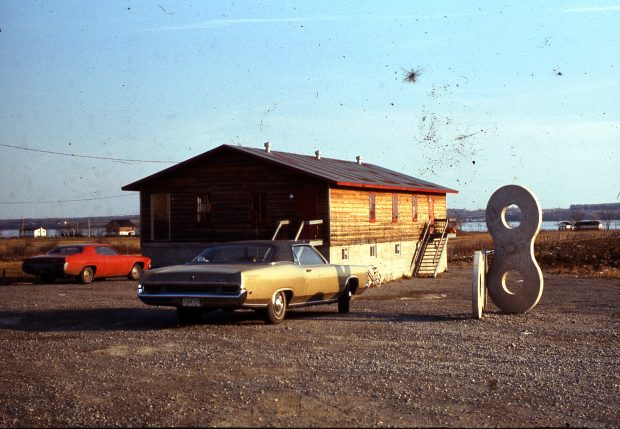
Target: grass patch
[{"x": 579, "y": 253}]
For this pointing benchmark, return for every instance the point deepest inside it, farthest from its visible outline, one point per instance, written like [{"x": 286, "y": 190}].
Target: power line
[
  {"x": 67, "y": 201},
  {"x": 85, "y": 156}
]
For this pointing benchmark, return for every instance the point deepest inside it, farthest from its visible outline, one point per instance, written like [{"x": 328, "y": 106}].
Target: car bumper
[
  {"x": 56, "y": 270},
  {"x": 196, "y": 299}
]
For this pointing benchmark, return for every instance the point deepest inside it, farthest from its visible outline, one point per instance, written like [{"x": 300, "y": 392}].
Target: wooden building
[
  {"x": 120, "y": 227},
  {"x": 354, "y": 212}
]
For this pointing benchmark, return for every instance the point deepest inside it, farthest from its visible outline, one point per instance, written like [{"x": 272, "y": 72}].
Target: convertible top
[{"x": 282, "y": 248}]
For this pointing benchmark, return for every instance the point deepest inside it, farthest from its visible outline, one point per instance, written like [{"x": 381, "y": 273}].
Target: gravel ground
[{"x": 407, "y": 355}]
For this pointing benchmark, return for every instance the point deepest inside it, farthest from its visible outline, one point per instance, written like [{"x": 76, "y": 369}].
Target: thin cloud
[
  {"x": 591, "y": 9},
  {"x": 218, "y": 23}
]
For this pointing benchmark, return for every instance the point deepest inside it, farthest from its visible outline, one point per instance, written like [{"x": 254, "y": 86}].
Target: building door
[
  {"x": 306, "y": 209},
  {"x": 160, "y": 216},
  {"x": 431, "y": 210}
]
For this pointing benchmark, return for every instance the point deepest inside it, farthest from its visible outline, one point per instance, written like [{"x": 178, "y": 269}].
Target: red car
[{"x": 86, "y": 262}]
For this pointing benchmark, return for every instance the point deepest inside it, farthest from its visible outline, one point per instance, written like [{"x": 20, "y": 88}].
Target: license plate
[{"x": 191, "y": 302}]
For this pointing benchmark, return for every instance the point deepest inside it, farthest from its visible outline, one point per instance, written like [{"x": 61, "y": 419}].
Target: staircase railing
[
  {"x": 439, "y": 250},
  {"x": 280, "y": 224},
  {"x": 420, "y": 249}
]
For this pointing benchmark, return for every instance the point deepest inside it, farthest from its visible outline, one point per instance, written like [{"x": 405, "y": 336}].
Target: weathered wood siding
[
  {"x": 350, "y": 216},
  {"x": 230, "y": 179}
]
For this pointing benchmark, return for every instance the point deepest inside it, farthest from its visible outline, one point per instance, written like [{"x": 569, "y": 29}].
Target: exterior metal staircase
[{"x": 430, "y": 248}]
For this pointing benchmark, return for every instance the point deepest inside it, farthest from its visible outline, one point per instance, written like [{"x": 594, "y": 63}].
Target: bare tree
[
  {"x": 577, "y": 216},
  {"x": 606, "y": 217}
]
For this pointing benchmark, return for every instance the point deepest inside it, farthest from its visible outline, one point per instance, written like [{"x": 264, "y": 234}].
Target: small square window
[
  {"x": 397, "y": 248},
  {"x": 373, "y": 250},
  {"x": 345, "y": 253}
]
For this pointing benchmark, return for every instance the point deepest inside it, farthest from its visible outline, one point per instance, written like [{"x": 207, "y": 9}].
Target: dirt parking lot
[{"x": 407, "y": 355}]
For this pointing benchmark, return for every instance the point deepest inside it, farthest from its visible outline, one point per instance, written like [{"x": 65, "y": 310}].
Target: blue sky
[{"x": 515, "y": 92}]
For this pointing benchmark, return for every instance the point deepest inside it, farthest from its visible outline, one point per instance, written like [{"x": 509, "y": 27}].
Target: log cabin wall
[
  {"x": 350, "y": 216},
  {"x": 229, "y": 180},
  {"x": 386, "y": 243}
]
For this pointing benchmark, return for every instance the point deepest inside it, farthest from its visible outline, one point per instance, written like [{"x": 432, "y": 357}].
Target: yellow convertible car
[{"x": 268, "y": 276}]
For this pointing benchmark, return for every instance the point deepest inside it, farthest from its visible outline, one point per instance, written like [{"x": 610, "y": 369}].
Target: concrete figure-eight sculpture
[{"x": 514, "y": 250}]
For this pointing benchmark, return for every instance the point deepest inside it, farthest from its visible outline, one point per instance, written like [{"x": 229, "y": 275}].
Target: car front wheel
[
  {"x": 87, "y": 275},
  {"x": 136, "y": 272},
  {"x": 276, "y": 309}
]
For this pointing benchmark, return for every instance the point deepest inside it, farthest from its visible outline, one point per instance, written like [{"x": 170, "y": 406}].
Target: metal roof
[{"x": 336, "y": 171}]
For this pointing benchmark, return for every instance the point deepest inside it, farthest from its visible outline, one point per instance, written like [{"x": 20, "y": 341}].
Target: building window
[
  {"x": 397, "y": 249},
  {"x": 414, "y": 208},
  {"x": 373, "y": 250},
  {"x": 394, "y": 207},
  {"x": 372, "y": 207},
  {"x": 345, "y": 253},
  {"x": 258, "y": 207},
  {"x": 203, "y": 208},
  {"x": 160, "y": 216},
  {"x": 431, "y": 209}
]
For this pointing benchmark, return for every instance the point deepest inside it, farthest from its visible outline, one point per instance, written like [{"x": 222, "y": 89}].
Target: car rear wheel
[
  {"x": 136, "y": 272},
  {"x": 276, "y": 309},
  {"x": 48, "y": 278},
  {"x": 344, "y": 301},
  {"x": 188, "y": 316},
  {"x": 87, "y": 275}
]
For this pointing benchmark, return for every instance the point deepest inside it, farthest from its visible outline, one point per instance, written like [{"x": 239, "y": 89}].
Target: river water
[{"x": 550, "y": 225}]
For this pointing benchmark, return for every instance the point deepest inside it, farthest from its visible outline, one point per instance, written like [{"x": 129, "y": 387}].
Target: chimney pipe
[
  {"x": 267, "y": 147},
  {"x": 317, "y": 154},
  {"x": 359, "y": 159}
]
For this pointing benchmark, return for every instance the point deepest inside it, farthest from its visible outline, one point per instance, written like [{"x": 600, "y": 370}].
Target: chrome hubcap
[{"x": 278, "y": 303}]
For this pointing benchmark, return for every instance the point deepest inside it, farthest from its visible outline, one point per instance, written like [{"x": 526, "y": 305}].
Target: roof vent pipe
[
  {"x": 359, "y": 159},
  {"x": 267, "y": 147},
  {"x": 317, "y": 154}
]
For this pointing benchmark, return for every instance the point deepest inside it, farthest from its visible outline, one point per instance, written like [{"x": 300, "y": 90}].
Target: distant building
[
  {"x": 123, "y": 227},
  {"x": 565, "y": 225},
  {"x": 585, "y": 225},
  {"x": 33, "y": 231}
]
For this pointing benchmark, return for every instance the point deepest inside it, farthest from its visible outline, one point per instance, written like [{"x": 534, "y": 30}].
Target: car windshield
[
  {"x": 236, "y": 254},
  {"x": 68, "y": 250}
]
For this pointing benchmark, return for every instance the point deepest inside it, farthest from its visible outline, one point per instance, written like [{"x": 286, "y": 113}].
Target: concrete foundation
[{"x": 393, "y": 259}]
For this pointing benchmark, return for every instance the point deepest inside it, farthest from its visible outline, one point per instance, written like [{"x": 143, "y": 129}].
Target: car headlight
[
  {"x": 64, "y": 268},
  {"x": 140, "y": 288}
]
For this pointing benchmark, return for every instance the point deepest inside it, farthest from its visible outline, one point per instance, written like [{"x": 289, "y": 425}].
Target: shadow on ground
[{"x": 147, "y": 319}]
